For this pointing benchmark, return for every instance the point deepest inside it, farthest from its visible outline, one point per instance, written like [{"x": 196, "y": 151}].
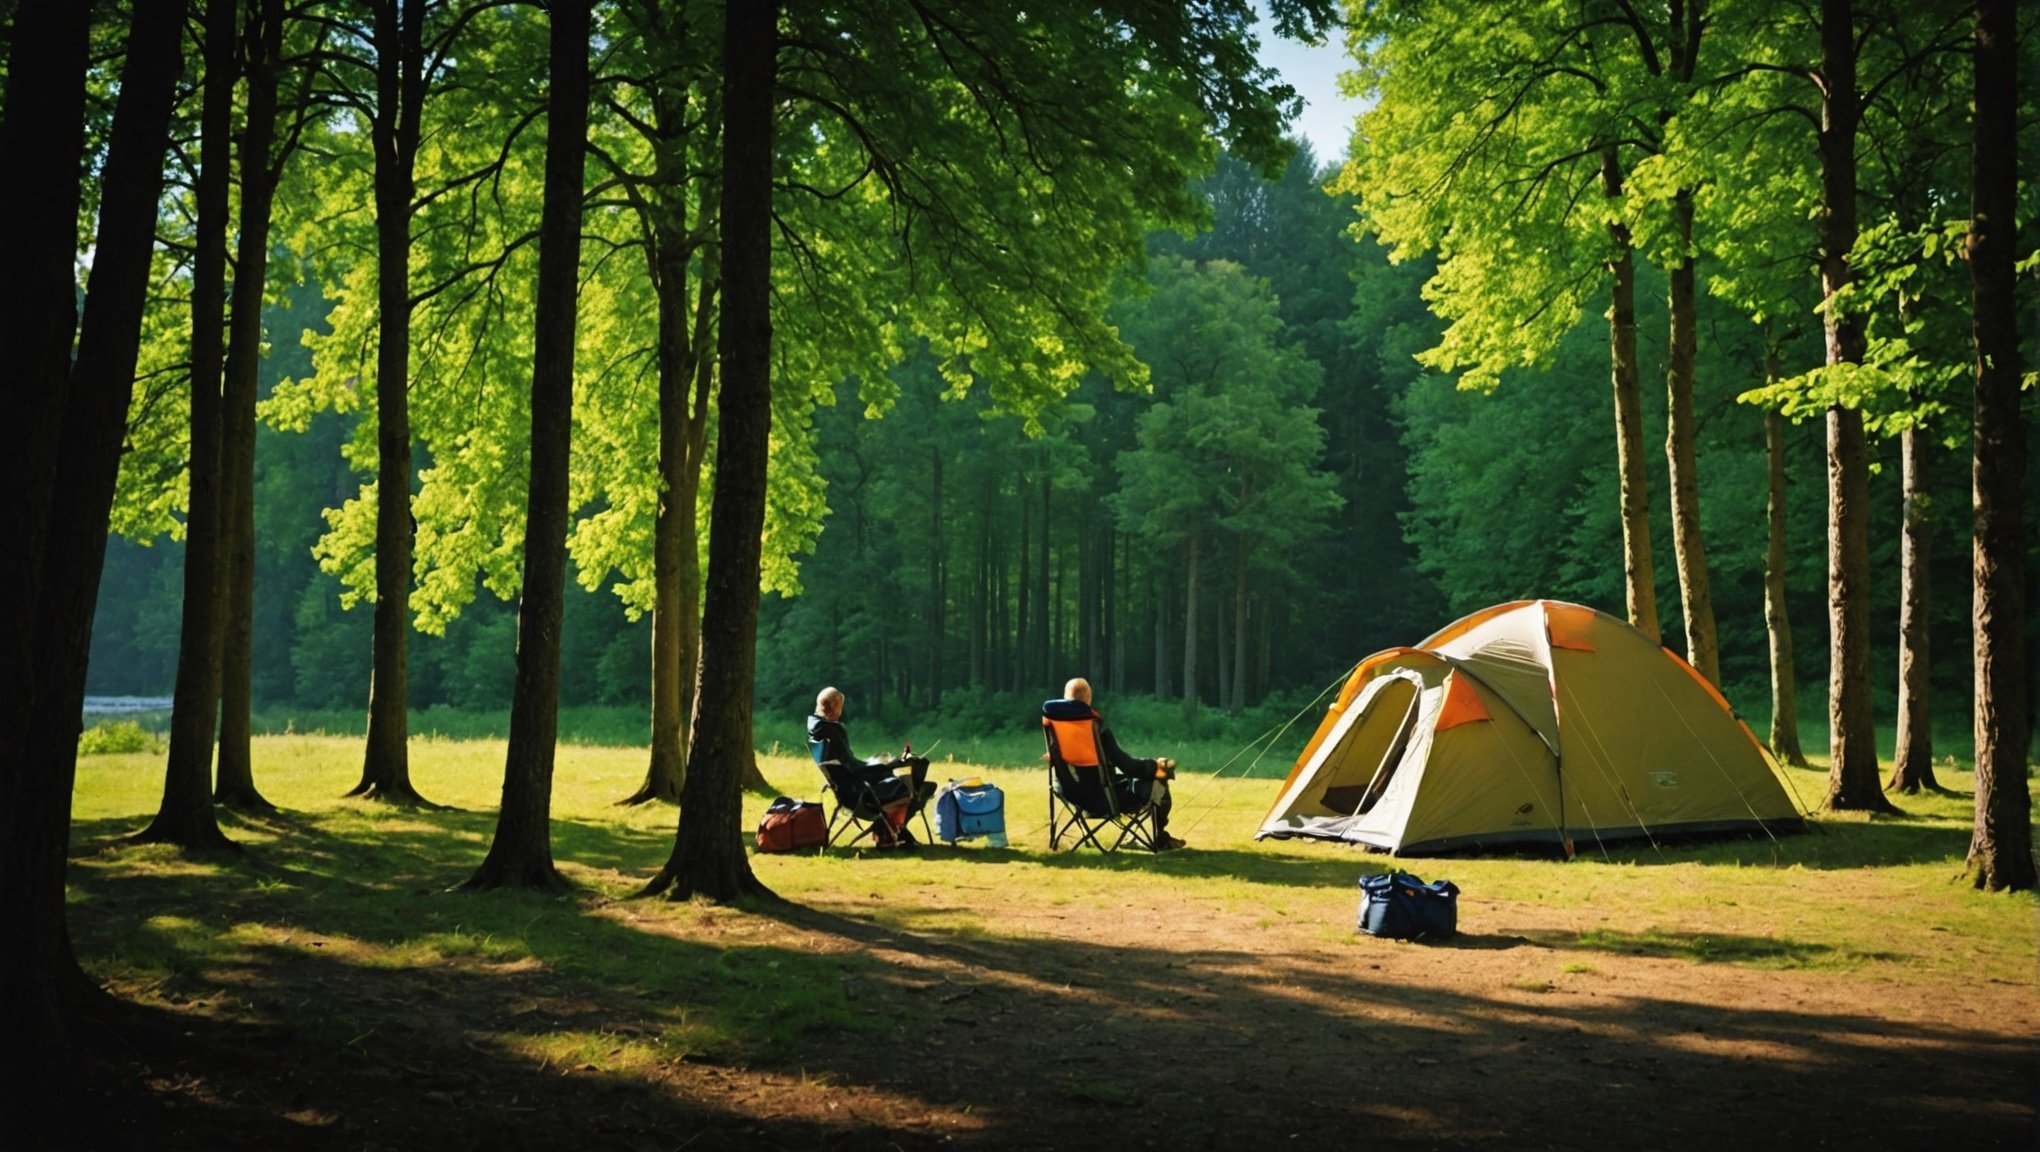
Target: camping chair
[
  {"x": 856, "y": 804},
  {"x": 1086, "y": 797}
]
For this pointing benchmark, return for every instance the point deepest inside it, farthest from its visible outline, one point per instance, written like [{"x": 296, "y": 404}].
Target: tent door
[{"x": 1385, "y": 771}]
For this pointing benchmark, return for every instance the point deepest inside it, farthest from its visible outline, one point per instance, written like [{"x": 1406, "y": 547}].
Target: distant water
[{"x": 122, "y": 705}]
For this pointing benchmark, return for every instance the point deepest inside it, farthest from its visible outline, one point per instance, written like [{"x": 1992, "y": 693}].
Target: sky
[{"x": 1327, "y": 119}]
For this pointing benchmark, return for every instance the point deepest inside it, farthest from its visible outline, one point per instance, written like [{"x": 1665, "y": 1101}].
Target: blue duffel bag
[
  {"x": 1400, "y": 906},
  {"x": 968, "y": 808}
]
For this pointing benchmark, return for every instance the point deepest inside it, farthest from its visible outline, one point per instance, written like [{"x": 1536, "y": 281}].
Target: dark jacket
[{"x": 1137, "y": 767}]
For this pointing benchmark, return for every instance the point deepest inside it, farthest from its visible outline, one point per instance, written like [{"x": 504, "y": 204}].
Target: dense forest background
[{"x": 966, "y": 565}]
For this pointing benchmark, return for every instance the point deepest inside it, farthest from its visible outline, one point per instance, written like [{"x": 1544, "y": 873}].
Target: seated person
[
  {"x": 905, "y": 794},
  {"x": 1139, "y": 780}
]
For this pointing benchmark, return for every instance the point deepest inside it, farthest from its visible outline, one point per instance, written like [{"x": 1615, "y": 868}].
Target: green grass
[{"x": 363, "y": 888}]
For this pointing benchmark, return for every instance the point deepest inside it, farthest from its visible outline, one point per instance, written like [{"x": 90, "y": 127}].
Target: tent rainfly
[{"x": 1536, "y": 722}]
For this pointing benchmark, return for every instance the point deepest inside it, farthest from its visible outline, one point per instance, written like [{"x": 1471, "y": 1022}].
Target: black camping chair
[
  {"x": 1088, "y": 801},
  {"x": 857, "y": 806}
]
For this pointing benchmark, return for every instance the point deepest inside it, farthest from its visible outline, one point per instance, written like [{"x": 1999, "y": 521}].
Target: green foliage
[{"x": 119, "y": 736}]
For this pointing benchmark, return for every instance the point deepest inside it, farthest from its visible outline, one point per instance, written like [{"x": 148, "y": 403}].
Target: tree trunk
[
  {"x": 686, "y": 387},
  {"x": 521, "y": 855},
  {"x": 42, "y": 146},
  {"x": 937, "y": 593},
  {"x": 1777, "y": 625},
  {"x": 37, "y": 963},
  {"x": 185, "y": 817},
  {"x": 1022, "y": 674},
  {"x": 1044, "y": 658},
  {"x": 235, "y": 785},
  {"x": 2001, "y": 841},
  {"x": 1638, "y": 574},
  {"x": 399, "y": 84},
  {"x": 1221, "y": 645},
  {"x": 1160, "y": 586},
  {"x": 1240, "y": 625},
  {"x": 1912, "y": 765},
  {"x": 708, "y": 848},
  {"x": 1190, "y": 632},
  {"x": 1852, "y": 746},
  {"x": 1703, "y": 650}
]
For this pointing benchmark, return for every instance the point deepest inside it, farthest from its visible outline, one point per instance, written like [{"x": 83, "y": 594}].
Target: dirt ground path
[{"x": 1120, "y": 1024}]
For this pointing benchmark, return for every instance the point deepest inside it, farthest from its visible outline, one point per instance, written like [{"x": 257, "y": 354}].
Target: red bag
[{"x": 790, "y": 825}]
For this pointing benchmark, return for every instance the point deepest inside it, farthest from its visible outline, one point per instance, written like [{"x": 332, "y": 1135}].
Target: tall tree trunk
[
  {"x": 521, "y": 855},
  {"x": 980, "y": 598},
  {"x": 83, "y": 437},
  {"x": 937, "y": 592},
  {"x": 686, "y": 387},
  {"x": 1853, "y": 782},
  {"x": 1221, "y": 644},
  {"x": 1912, "y": 765},
  {"x": 1239, "y": 647},
  {"x": 1777, "y": 624},
  {"x": 2001, "y": 841},
  {"x": 235, "y": 784},
  {"x": 1190, "y": 631},
  {"x": 1638, "y": 574},
  {"x": 1159, "y": 584},
  {"x": 400, "y": 95},
  {"x": 185, "y": 817},
  {"x": 708, "y": 849},
  {"x": 42, "y": 147},
  {"x": 1703, "y": 650},
  {"x": 1022, "y": 674},
  {"x": 1044, "y": 616}
]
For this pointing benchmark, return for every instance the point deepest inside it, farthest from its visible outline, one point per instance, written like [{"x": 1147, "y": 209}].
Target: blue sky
[{"x": 1327, "y": 119}]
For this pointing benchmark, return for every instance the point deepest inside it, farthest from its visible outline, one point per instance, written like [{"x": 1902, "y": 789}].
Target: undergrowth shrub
[{"x": 111, "y": 736}]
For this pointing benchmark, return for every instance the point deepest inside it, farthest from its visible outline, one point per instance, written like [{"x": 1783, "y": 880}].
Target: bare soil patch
[{"x": 1129, "y": 1021}]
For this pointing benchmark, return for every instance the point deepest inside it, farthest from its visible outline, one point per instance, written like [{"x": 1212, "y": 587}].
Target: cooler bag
[
  {"x": 790, "y": 825},
  {"x": 1402, "y": 907},
  {"x": 969, "y": 808}
]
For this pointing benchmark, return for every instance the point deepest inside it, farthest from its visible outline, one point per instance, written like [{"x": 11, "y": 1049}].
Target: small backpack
[
  {"x": 969, "y": 808},
  {"x": 790, "y": 825}
]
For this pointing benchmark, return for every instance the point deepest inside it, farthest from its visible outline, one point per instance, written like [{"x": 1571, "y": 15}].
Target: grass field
[{"x": 339, "y": 930}]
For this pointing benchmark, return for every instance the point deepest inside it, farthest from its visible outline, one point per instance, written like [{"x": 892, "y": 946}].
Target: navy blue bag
[{"x": 1400, "y": 906}]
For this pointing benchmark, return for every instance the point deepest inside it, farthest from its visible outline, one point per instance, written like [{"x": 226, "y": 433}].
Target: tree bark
[
  {"x": 1043, "y": 658},
  {"x": 185, "y": 817},
  {"x": 37, "y": 963},
  {"x": 1689, "y": 552},
  {"x": 1638, "y": 574},
  {"x": 235, "y": 785},
  {"x": 1912, "y": 765},
  {"x": 521, "y": 855},
  {"x": 1239, "y": 648},
  {"x": 2001, "y": 840},
  {"x": 1853, "y": 783},
  {"x": 937, "y": 592},
  {"x": 42, "y": 148},
  {"x": 400, "y": 97},
  {"x": 708, "y": 856},
  {"x": 1777, "y": 624},
  {"x": 686, "y": 386},
  {"x": 1190, "y": 631}
]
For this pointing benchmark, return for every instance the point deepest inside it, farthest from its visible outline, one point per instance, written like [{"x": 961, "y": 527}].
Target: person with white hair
[
  {"x": 1141, "y": 780},
  {"x": 910, "y": 791}
]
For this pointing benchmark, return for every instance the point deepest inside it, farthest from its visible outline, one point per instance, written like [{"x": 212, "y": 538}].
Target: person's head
[
  {"x": 829, "y": 704},
  {"x": 1078, "y": 689}
]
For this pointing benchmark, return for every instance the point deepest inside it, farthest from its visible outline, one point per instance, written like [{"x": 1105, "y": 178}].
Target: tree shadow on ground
[{"x": 338, "y": 996}]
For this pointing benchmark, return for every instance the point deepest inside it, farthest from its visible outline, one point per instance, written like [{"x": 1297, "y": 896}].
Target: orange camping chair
[{"x": 1088, "y": 802}]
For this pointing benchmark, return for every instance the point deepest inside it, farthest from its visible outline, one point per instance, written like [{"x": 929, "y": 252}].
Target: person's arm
[{"x": 1135, "y": 766}]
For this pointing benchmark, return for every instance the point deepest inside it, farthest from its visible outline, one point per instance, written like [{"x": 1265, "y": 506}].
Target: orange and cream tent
[{"x": 1536, "y": 722}]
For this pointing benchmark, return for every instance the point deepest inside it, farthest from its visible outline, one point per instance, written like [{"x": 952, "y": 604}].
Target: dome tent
[{"x": 1535, "y": 722}]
